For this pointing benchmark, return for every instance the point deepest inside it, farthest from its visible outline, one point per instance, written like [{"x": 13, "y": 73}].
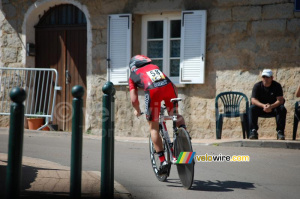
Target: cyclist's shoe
[
  {"x": 174, "y": 160},
  {"x": 163, "y": 169}
]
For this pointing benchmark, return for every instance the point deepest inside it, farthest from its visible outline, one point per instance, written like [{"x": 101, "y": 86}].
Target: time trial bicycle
[{"x": 181, "y": 143}]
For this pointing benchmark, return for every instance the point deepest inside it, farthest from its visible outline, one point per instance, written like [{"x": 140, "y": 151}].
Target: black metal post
[
  {"x": 15, "y": 146},
  {"x": 76, "y": 148},
  {"x": 107, "y": 158}
]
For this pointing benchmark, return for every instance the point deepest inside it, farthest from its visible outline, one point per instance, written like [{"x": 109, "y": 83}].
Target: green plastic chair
[
  {"x": 296, "y": 120},
  {"x": 231, "y": 106}
]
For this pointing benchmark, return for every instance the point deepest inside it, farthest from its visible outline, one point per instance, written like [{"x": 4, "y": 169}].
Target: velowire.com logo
[{"x": 187, "y": 158}]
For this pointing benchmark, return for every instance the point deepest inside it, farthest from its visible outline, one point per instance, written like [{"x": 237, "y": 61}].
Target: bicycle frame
[{"x": 163, "y": 127}]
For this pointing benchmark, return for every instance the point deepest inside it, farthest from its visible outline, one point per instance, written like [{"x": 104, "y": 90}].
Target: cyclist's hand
[{"x": 137, "y": 113}]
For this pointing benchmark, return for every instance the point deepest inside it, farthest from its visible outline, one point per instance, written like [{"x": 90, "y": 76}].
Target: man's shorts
[{"x": 153, "y": 98}]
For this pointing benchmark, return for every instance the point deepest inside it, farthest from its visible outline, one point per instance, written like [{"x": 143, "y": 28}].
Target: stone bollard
[
  {"x": 76, "y": 148},
  {"x": 15, "y": 145},
  {"x": 107, "y": 158}
]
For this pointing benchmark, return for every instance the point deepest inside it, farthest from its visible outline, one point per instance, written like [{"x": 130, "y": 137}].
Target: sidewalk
[{"x": 44, "y": 179}]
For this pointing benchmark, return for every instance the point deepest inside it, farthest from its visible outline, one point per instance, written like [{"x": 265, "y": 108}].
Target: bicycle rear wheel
[
  {"x": 155, "y": 163},
  {"x": 185, "y": 171}
]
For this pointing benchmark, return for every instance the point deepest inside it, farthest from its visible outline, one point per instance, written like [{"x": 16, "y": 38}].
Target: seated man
[{"x": 267, "y": 98}]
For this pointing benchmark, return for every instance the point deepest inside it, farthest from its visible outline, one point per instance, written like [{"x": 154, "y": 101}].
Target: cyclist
[{"x": 157, "y": 87}]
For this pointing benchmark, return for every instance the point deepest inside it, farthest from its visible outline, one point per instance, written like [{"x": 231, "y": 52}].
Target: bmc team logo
[{"x": 185, "y": 158}]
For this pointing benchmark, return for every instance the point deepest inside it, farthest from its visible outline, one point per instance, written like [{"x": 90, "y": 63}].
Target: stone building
[{"x": 229, "y": 43}]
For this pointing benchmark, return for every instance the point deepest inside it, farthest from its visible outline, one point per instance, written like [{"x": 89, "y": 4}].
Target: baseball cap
[{"x": 267, "y": 72}]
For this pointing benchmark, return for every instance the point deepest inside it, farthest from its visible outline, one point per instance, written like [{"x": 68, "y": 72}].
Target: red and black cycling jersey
[{"x": 147, "y": 77}]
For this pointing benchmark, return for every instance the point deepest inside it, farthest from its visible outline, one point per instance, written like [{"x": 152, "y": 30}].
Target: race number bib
[{"x": 155, "y": 75}]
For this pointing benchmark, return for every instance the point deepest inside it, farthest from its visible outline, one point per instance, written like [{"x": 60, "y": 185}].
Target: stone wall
[{"x": 243, "y": 37}]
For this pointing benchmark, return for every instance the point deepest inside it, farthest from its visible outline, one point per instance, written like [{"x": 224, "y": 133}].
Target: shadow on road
[{"x": 216, "y": 186}]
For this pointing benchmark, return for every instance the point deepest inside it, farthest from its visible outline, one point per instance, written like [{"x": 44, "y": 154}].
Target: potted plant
[{"x": 35, "y": 122}]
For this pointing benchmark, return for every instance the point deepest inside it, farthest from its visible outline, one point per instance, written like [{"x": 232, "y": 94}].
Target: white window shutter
[
  {"x": 119, "y": 48},
  {"x": 192, "y": 50}
]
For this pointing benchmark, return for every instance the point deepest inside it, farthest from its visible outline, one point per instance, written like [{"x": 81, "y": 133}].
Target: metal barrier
[{"x": 40, "y": 85}]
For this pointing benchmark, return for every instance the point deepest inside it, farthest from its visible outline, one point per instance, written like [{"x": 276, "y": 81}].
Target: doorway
[{"x": 61, "y": 40}]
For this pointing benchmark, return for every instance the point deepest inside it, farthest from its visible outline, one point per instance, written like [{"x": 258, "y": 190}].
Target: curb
[{"x": 260, "y": 144}]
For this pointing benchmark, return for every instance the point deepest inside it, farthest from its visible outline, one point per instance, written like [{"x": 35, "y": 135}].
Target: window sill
[{"x": 179, "y": 85}]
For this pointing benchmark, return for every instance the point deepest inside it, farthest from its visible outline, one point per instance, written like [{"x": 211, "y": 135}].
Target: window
[
  {"x": 161, "y": 36},
  {"x": 175, "y": 42}
]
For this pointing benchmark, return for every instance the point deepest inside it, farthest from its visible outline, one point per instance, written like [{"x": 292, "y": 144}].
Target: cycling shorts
[{"x": 153, "y": 98}]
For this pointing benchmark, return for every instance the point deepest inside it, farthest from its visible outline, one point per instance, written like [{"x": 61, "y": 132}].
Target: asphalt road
[{"x": 271, "y": 173}]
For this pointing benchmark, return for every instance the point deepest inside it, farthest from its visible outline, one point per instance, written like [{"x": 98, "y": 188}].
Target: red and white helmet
[{"x": 139, "y": 61}]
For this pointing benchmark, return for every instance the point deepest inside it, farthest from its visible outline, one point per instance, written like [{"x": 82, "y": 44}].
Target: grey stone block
[
  {"x": 226, "y": 28},
  {"x": 9, "y": 55},
  {"x": 249, "y": 43},
  {"x": 229, "y": 144},
  {"x": 280, "y": 44},
  {"x": 266, "y": 2},
  {"x": 269, "y": 27},
  {"x": 278, "y": 11},
  {"x": 274, "y": 144},
  {"x": 232, "y": 2},
  {"x": 226, "y": 62},
  {"x": 99, "y": 22},
  {"x": 221, "y": 28},
  {"x": 9, "y": 27},
  {"x": 99, "y": 51},
  {"x": 246, "y": 13},
  {"x": 239, "y": 27},
  {"x": 213, "y": 48},
  {"x": 12, "y": 40},
  {"x": 262, "y": 60},
  {"x": 293, "y": 25},
  {"x": 248, "y": 2},
  {"x": 219, "y": 15}
]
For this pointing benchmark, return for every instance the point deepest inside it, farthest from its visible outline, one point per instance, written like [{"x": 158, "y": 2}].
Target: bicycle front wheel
[
  {"x": 155, "y": 163},
  {"x": 185, "y": 171}
]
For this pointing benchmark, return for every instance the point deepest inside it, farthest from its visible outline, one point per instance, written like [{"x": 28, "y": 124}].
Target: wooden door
[{"x": 65, "y": 51}]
